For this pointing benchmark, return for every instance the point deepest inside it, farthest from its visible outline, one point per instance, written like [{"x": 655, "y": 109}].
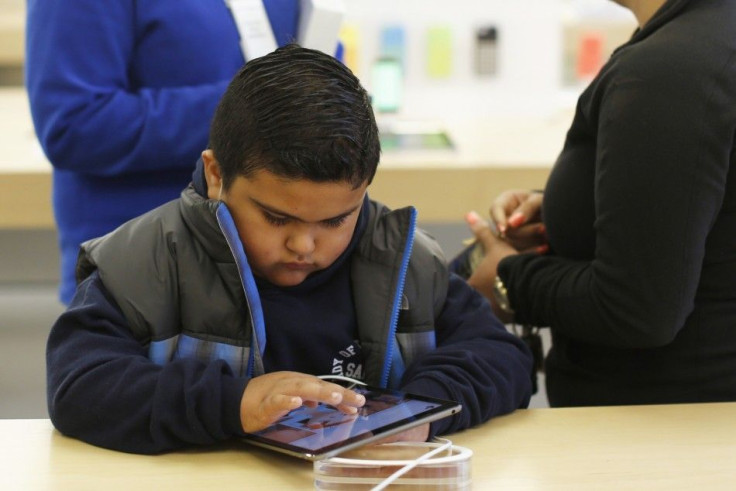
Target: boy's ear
[{"x": 212, "y": 174}]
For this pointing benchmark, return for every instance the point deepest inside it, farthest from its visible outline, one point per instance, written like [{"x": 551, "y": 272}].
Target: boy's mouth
[{"x": 299, "y": 266}]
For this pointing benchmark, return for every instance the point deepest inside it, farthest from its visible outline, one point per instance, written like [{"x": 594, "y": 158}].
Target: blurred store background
[{"x": 472, "y": 97}]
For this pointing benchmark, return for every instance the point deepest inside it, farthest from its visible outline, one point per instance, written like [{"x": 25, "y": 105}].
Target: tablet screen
[{"x": 323, "y": 431}]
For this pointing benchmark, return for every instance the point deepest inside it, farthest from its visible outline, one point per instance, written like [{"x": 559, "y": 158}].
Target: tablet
[{"x": 323, "y": 431}]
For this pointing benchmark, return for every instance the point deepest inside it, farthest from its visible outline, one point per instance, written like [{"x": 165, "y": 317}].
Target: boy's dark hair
[{"x": 300, "y": 114}]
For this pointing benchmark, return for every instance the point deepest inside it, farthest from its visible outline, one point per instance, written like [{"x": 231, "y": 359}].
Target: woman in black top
[{"x": 638, "y": 286}]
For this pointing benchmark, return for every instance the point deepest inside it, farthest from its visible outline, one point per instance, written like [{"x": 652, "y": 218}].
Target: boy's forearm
[
  {"x": 103, "y": 389},
  {"x": 485, "y": 390},
  {"x": 477, "y": 363}
]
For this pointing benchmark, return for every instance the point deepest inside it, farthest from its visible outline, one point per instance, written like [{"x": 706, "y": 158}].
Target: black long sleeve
[
  {"x": 651, "y": 142},
  {"x": 640, "y": 210},
  {"x": 103, "y": 389},
  {"x": 477, "y": 362}
]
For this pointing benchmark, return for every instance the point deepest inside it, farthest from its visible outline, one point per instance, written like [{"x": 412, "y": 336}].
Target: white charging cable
[
  {"x": 386, "y": 482},
  {"x": 342, "y": 378},
  {"x": 446, "y": 444}
]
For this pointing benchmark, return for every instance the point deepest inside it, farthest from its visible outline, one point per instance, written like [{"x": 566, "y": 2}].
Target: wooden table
[{"x": 668, "y": 447}]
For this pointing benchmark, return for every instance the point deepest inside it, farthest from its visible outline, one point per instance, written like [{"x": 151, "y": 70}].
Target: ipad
[{"x": 323, "y": 431}]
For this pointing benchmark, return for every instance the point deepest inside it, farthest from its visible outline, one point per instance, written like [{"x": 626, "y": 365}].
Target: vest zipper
[
  {"x": 230, "y": 231},
  {"x": 396, "y": 307}
]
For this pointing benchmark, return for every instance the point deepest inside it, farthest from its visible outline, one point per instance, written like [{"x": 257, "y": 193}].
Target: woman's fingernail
[
  {"x": 516, "y": 219},
  {"x": 542, "y": 229},
  {"x": 472, "y": 217},
  {"x": 543, "y": 249},
  {"x": 495, "y": 230}
]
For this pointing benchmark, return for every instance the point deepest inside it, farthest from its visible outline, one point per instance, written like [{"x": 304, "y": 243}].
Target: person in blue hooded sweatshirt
[
  {"x": 213, "y": 314},
  {"x": 121, "y": 95}
]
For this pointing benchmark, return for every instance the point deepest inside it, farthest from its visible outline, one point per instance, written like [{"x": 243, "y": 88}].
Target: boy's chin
[{"x": 287, "y": 278}]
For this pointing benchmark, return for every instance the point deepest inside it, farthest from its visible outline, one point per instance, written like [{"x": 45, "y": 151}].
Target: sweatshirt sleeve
[
  {"x": 102, "y": 388},
  {"x": 661, "y": 168},
  {"x": 477, "y": 362},
  {"x": 90, "y": 113}
]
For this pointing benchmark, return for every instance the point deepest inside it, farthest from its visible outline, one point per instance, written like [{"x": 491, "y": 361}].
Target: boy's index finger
[
  {"x": 352, "y": 398},
  {"x": 326, "y": 392},
  {"x": 346, "y": 397}
]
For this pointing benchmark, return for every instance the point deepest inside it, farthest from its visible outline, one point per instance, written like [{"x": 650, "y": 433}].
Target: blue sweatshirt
[
  {"x": 121, "y": 96},
  {"x": 115, "y": 397},
  {"x": 103, "y": 389}
]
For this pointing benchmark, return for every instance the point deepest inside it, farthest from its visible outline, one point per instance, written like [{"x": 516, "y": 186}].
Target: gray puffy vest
[{"x": 180, "y": 277}]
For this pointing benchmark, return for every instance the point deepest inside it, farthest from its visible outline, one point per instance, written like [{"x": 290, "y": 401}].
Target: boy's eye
[
  {"x": 275, "y": 220},
  {"x": 335, "y": 222},
  {"x": 280, "y": 221}
]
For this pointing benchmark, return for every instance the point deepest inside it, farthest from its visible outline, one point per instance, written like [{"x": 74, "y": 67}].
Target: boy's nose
[{"x": 301, "y": 244}]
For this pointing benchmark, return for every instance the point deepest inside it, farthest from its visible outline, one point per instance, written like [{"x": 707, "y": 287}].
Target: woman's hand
[
  {"x": 495, "y": 249},
  {"x": 517, "y": 216}
]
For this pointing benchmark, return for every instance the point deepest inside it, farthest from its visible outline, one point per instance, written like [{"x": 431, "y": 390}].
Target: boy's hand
[{"x": 269, "y": 397}]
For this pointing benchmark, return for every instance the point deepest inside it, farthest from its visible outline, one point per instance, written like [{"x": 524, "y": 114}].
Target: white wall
[{"x": 530, "y": 52}]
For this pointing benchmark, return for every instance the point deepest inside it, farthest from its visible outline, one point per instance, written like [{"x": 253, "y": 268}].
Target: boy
[{"x": 202, "y": 319}]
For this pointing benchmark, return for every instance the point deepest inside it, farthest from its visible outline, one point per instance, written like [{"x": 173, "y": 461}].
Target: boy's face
[{"x": 289, "y": 228}]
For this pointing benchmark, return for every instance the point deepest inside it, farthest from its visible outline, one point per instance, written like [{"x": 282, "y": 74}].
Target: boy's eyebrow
[{"x": 292, "y": 217}]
